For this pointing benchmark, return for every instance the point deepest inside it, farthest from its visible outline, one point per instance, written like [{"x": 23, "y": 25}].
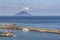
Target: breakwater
[{"x": 14, "y": 27}]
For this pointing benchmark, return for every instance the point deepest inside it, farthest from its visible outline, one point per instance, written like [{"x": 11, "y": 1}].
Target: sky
[{"x": 37, "y": 7}]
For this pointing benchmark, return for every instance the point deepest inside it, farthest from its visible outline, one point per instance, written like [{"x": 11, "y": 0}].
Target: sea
[{"x": 48, "y": 22}]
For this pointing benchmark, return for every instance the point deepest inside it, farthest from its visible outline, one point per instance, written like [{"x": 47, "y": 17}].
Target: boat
[{"x": 25, "y": 29}]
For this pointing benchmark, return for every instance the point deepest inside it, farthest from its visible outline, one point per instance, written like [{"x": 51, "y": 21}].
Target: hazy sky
[{"x": 37, "y": 7}]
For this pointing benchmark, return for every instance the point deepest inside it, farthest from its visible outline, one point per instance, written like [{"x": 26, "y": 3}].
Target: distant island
[{"x": 23, "y": 13}]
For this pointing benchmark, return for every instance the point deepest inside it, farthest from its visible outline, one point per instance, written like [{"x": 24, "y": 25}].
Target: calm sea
[{"x": 49, "y": 22}]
